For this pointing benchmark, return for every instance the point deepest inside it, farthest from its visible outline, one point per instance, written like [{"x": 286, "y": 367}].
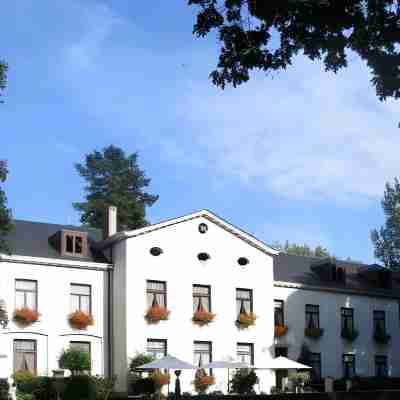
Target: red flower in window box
[
  {"x": 25, "y": 316},
  {"x": 280, "y": 330},
  {"x": 157, "y": 313},
  {"x": 80, "y": 320},
  {"x": 246, "y": 319},
  {"x": 160, "y": 379},
  {"x": 202, "y": 381},
  {"x": 203, "y": 317}
]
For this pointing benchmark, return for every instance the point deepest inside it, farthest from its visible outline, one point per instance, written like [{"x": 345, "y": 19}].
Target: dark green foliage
[
  {"x": 243, "y": 381},
  {"x": 114, "y": 179},
  {"x": 104, "y": 386},
  {"x": 387, "y": 240},
  {"x": 266, "y": 35},
  {"x": 301, "y": 249},
  {"x": 3, "y": 76},
  {"x": 140, "y": 359},
  {"x": 139, "y": 384},
  {"x": 5, "y": 213},
  {"x": 77, "y": 361},
  {"x": 4, "y": 388},
  {"x": 80, "y": 388}
]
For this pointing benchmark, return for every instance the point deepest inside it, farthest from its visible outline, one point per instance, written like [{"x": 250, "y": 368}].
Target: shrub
[
  {"x": 202, "y": 381},
  {"x": 160, "y": 379},
  {"x": 140, "y": 359},
  {"x": 25, "y": 381},
  {"x": 246, "y": 319},
  {"x": 243, "y": 381},
  {"x": 280, "y": 330},
  {"x": 157, "y": 313},
  {"x": 4, "y": 388},
  {"x": 80, "y": 320},
  {"x": 140, "y": 386},
  {"x": 103, "y": 386},
  {"x": 314, "y": 333},
  {"x": 203, "y": 317},
  {"x": 77, "y": 361},
  {"x": 25, "y": 316},
  {"x": 80, "y": 388},
  {"x": 25, "y": 396}
]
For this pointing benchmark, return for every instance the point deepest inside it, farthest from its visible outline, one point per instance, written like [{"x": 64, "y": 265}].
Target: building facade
[{"x": 340, "y": 317}]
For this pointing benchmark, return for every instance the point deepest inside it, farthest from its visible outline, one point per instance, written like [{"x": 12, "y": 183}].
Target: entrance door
[{"x": 280, "y": 373}]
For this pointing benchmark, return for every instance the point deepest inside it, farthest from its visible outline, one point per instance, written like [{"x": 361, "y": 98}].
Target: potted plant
[
  {"x": 156, "y": 312},
  {"x": 243, "y": 381},
  {"x": 75, "y": 360},
  {"x": 202, "y": 381},
  {"x": 313, "y": 332},
  {"x": 25, "y": 316},
  {"x": 80, "y": 320},
  {"x": 201, "y": 316},
  {"x": 280, "y": 330},
  {"x": 160, "y": 379},
  {"x": 246, "y": 319}
]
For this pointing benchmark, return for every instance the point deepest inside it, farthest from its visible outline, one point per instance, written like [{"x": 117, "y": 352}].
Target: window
[
  {"x": 347, "y": 319},
  {"x": 349, "y": 365},
  {"x": 312, "y": 316},
  {"x": 244, "y": 301},
  {"x": 74, "y": 243},
  {"x": 379, "y": 322},
  {"x": 278, "y": 312},
  {"x": 26, "y": 294},
  {"x": 381, "y": 367},
  {"x": 157, "y": 347},
  {"x": 315, "y": 364},
  {"x": 81, "y": 298},
  {"x": 281, "y": 351},
  {"x": 156, "y": 293},
  {"x": 25, "y": 356},
  {"x": 81, "y": 346},
  {"x": 245, "y": 353},
  {"x": 156, "y": 251},
  {"x": 202, "y": 353},
  {"x": 201, "y": 298},
  {"x": 243, "y": 261}
]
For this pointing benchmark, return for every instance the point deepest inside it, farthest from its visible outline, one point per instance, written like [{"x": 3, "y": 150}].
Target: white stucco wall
[
  {"x": 180, "y": 268},
  {"x": 52, "y": 332},
  {"x": 331, "y": 345}
]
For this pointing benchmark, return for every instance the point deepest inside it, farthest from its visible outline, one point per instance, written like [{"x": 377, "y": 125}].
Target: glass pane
[
  {"x": 78, "y": 245},
  {"x": 69, "y": 245},
  {"x": 24, "y": 345},
  {"x": 31, "y": 300},
  {"x": 19, "y": 300},
  {"x": 82, "y": 346},
  {"x": 25, "y": 285},
  {"x": 74, "y": 303},
  {"x": 201, "y": 290},
  {"x": 80, "y": 289},
  {"x": 243, "y": 294},
  {"x": 156, "y": 286},
  {"x": 85, "y": 304}
]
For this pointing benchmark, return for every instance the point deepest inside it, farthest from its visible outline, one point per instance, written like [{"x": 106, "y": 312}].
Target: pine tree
[
  {"x": 114, "y": 179},
  {"x": 386, "y": 240},
  {"x": 5, "y": 213}
]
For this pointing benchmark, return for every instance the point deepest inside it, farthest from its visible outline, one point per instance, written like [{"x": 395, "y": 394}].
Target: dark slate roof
[
  {"x": 297, "y": 269},
  {"x": 32, "y": 239}
]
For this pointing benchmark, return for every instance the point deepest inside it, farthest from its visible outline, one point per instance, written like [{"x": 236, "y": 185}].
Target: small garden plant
[
  {"x": 202, "y": 381},
  {"x": 80, "y": 320},
  {"x": 76, "y": 361},
  {"x": 157, "y": 313},
  {"x": 246, "y": 319},
  {"x": 202, "y": 317},
  {"x": 25, "y": 316},
  {"x": 243, "y": 381}
]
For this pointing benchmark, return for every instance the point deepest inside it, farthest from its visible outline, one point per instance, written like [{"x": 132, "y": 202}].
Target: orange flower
[
  {"x": 247, "y": 319},
  {"x": 280, "y": 330},
  {"x": 202, "y": 382},
  {"x": 203, "y": 317},
  {"x": 80, "y": 320},
  {"x": 160, "y": 379},
  {"x": 157, "y": 313},
  {"x": 25, "y": 316}
]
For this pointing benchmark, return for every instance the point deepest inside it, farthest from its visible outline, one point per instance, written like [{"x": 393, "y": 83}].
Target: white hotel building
[{"x": 116, "y": 277}]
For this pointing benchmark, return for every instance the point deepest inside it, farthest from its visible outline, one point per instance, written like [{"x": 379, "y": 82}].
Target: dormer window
[{"x": 74, "y": 243}]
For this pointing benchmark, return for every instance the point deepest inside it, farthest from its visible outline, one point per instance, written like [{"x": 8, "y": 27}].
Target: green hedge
[{"x": 4, "y": 388}]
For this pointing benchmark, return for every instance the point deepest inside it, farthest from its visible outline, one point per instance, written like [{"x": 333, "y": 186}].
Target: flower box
[
  {"x": 246, "y": 319},
  {"x": 349, "y": 334},
  {"x": 280, "y": 330},
  {"x": 202, "y": 383},
  {"x": 160, "y": 379},
  {"x": 157, "y": 313},
  {"x": 80, "y": 320},
  {"x": 202, "y": 317},
  {"x": 25, "y": 316},
  {"x": 313, "y": 333}
]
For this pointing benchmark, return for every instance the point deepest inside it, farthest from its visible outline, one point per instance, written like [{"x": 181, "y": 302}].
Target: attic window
[
  {"x": 74, "y": 244},
  {"x": 242, "y": 261},
  {"x": 203, "y": 256},
  {"x": 156, "y": 251}
]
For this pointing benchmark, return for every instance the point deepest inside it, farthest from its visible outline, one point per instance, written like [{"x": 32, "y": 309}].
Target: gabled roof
[
  {"x": 239, "y": 233},
  {"x": 31, "y": 239}
]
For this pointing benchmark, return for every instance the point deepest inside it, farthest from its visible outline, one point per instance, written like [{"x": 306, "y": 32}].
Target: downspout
[{"x": 110, "y": 331}]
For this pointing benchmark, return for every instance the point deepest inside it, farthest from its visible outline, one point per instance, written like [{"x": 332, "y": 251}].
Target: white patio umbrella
[
  {"x": 167, "y": 362},
  {"x": 226, "y": 365},
  {"x": 284, "y": 363}
]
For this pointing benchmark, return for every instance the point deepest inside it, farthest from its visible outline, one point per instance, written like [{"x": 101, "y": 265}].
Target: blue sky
[{"x": 301, "y": 155}]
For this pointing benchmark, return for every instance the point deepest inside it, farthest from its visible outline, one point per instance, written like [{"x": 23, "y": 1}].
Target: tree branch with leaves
[{"x": 6, "y": 224}]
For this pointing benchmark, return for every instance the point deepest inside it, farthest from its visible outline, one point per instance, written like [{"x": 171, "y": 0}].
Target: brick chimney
[{"x": 110, "y": 222}]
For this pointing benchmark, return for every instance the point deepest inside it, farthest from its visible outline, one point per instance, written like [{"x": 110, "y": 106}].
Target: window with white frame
[
  {"x": 245, "y": 353},
  {"x": 82, "y": 346},
  {"x": 202, "y": 353},
  {"x": 26, "y": 294},
  {"x": 201, "y": 297},
  {"x": 81, "y": 298},
  {"x": 156, "y": 293},
  {"x": 244, "y": 301}
]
